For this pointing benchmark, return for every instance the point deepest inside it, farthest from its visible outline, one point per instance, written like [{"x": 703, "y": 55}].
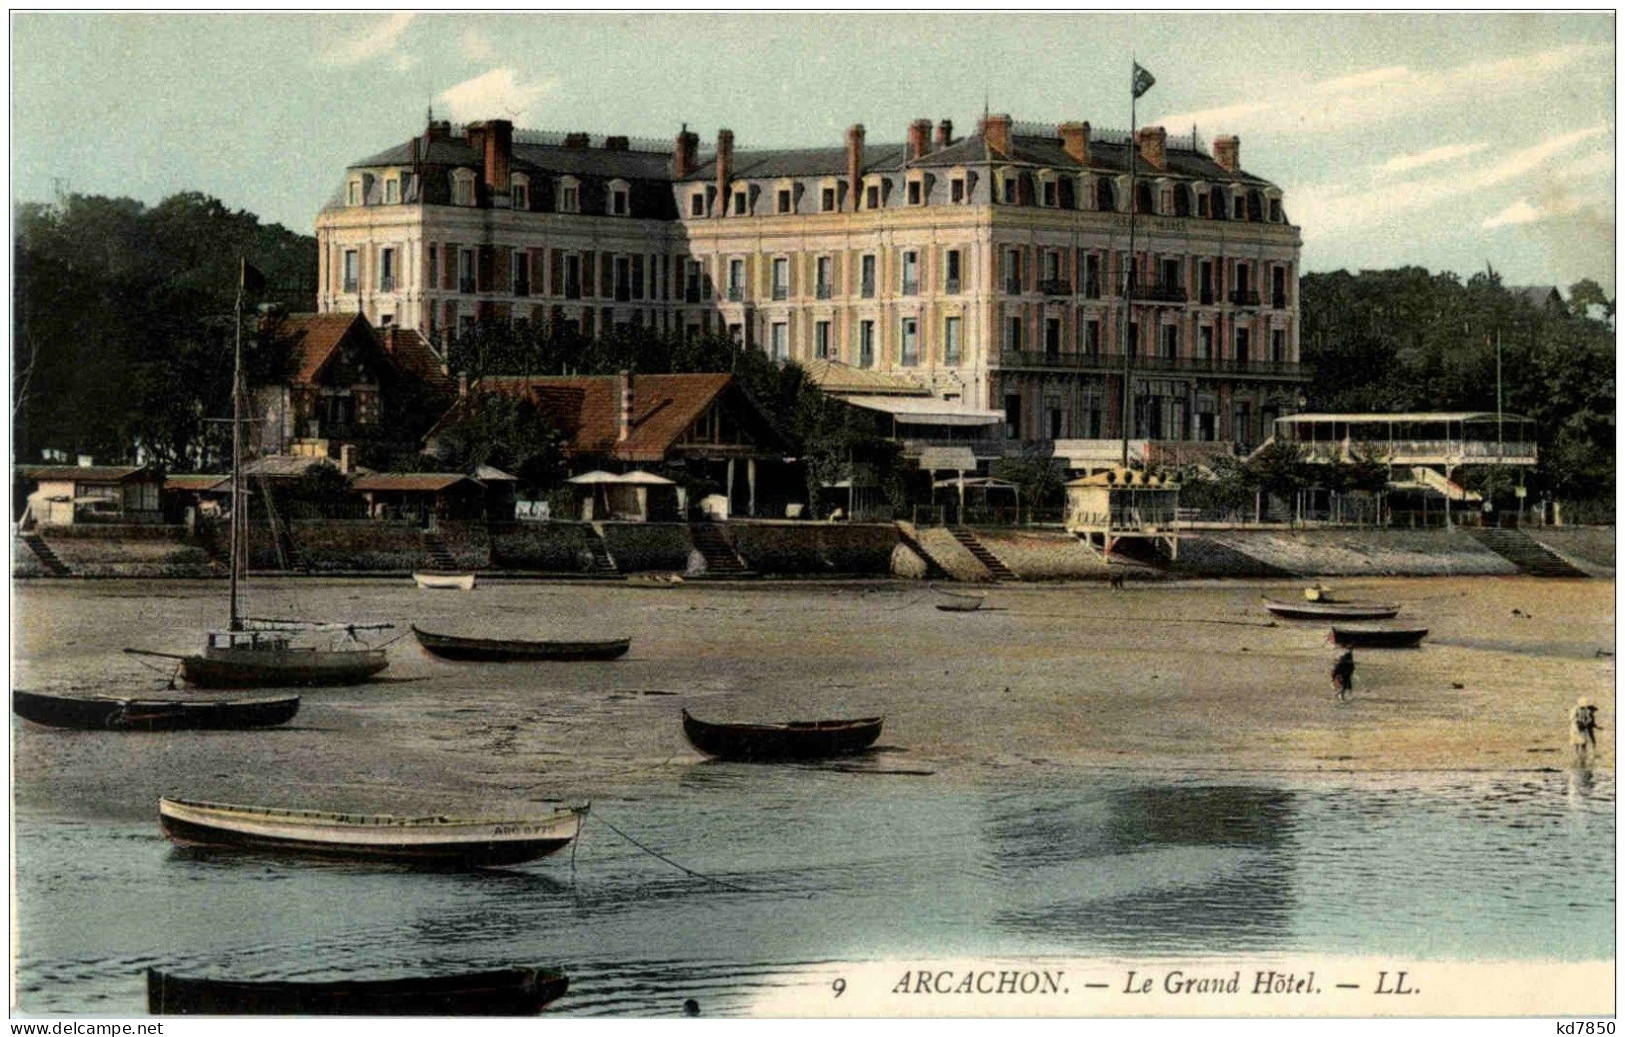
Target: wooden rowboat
[
  {"x": 491, "y": 649},
  {"x": 1378, "y": 637},
  {"x": 511, "y": 991},
  {"x": 106, "y": 713},
  {"x": 1332, "y": 609},
  {"x": 435, "y": 840},
  {"x": 959, "y": 602},
  {"x": 444, "y": 581},
  {"x": 797, "y": 740}
]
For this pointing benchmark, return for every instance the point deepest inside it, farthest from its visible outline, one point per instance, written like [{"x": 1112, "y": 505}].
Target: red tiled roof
[
  {"x": 196, "y": 482},
  {"x": 81, "y": 473},
  {"x": 586, "y": 408},
  {"x": 413, "y": 356},
  {"x": 427, "y": 482},
  {"x": 316, "y": 336}
]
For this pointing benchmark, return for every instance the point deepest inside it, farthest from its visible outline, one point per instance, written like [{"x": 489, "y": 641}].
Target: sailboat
[{"x": 268, "y": 653}]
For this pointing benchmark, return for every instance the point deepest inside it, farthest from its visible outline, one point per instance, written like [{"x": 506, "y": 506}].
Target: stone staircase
[
  {"x": 53, "y": 565},
  {"x": 1533, "y": 558},
  {"x": 999, "y": 570},
  {"x": 933, "y": 570},
  {"x": 440, "y": 558},
  {"x": 602, "y": 563},
  {"x": 720, "y": 560}
]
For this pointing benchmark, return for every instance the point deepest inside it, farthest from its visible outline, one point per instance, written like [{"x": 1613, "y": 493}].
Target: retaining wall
[
  {"x": 1384, "y": 552},
  {"x": 648, "y": 546},
  {"x": 814, "y": 548}
]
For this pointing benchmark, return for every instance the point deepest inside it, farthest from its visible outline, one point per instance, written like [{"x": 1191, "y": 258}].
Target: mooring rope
[{"x": 661, "y": 857}]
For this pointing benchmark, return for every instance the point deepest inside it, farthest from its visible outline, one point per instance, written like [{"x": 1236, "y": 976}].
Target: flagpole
[
  {"x": 239, "y": 525},
  {"x": 1128, "y": 282}
]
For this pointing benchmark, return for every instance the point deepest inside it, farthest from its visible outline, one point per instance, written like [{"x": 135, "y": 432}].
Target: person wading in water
[
  {"x": 1583, "y": 731},
  {"x": 1343, "y": 673}
]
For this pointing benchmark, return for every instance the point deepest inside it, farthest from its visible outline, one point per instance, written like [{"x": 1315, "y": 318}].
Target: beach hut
[
  {"x": 635, "y": 496},
  {"x": 1123, "y": 502}
]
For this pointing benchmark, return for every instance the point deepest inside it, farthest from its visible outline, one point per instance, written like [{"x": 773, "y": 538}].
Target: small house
[
  {"x": 426, "y": 498},
  {"x": 67, "y": 495},
  {"x": 1123, "y": 502}
]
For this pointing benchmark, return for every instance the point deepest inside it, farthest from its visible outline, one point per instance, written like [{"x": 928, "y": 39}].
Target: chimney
[
  {"x": 996, "y": 131},
  {"x": 625, "y": 411},
  {"x": 854, "y": 162},
  {"x": 919, "y": 139},
  {"x": 1153, "y": 144},
  {"x": 685, "y": 156},
  {"x": 945, "y": 133},
  {"x": 438, "y": 130},
  {"x": 617, "y": 143},
  {"x": 347, "y": 459},
  {"x": 725, "y": 167},
  {"x": 1075, "y": 141},
  {"x": 1227, "y": 153},
  {"x": 575, "y": 141},
  {"x": 494, "y": 140}
]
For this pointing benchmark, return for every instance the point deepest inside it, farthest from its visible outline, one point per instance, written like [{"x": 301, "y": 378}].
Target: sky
[{"x": 1449, "y": 141}]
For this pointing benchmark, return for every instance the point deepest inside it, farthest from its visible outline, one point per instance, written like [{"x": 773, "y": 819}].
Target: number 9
[{"x": 839, "y": 986}]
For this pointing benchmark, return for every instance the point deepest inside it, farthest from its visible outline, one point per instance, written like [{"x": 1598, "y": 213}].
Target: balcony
[
  {"x": 736, "y": 293},
  {"x": 1108, "y": 363},
  {"x": 911, "y": 287},
  {"x": 1243, "y": 297},
  {"x": 868, "y": 288},
  {"x": 1055, "y": 286},
  {"x": 465, "y": 285},
  {"x": 1206, "y": 296},
  {"x": 951, "y": 286},
  {"x": 781, "y": 292},
  {"x": 1012, "y": 286},
  {"x": 350, "y": 284},
  {"x": 822, "y": 291},
  {"x": 691, "y": 293},
  {"x": 1163, "y": 291},
  {"x": 386, "y": 283},
  {"x": 1278, "y": 301}
]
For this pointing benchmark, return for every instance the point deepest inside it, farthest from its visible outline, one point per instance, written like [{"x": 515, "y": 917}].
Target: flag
[
  {"x": 251, "y": 280},
  {"x": 1143, "y": 80}
]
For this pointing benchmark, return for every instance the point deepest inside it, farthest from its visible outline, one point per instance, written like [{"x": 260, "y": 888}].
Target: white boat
[
  {"x": 469, "y": 842},
  {"x": 445, "y": 581}
]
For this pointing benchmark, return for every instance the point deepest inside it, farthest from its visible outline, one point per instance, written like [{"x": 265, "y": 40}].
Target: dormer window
[
  {"x": 782, "y": 201},
  {"x": 696, "y": 204},
  {"x": 826, "y": 199},
  {"x": 956, "y": 190},
  {"x": 353, "y": 197},
  {"x": 871, "y": 196},
  {"x": 620, "y": 198},
  {"x": 1009, "y": 187},
  {"x": 519, "y": 192},
  {"x": 916, "y": 193},
  {"x": 569, "y": 194},
  {"x": 392, "y": 190},
  {"x": 741, "y": 202},
  {"x": 462, "y": 187}
]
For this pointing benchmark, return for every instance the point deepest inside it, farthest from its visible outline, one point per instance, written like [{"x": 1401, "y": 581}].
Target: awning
[
  {"x": 952, "y": 458},
  {"x": 910, "y": 410},
  {"x": 979, "y": 482},
  {"x": 634, "y": 478}
]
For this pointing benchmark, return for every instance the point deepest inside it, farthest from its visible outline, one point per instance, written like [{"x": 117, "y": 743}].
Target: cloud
[
  {"x": 1518, "y": 212},
  {"x": 1447, "y": 153},
  {"x": 377, "y": 40},
  {"x": 499, "y": 93},
  {"x": 477, "y": 46},
  {"x": 1393, "y": 93}
]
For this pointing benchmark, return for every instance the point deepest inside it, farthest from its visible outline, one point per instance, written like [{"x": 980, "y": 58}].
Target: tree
[{"x": 1586, "y": 293}]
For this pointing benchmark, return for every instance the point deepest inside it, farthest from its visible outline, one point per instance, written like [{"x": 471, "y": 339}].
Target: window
[
  {"x": 916, "y": 192},
  {"x": 1275, "y": 211},
  {"x": 465, "y": 271},
  {"x": 354, "y": 196},
  {"x": 691, "y": 280},
  {"x": 1091, "y": 276},
  {"x": 1243, "y": 345},
  {"x": 871, "y": 197},
  {"x": 696, "y": 204},
  {"x": 868, "y": 276},
  {"x": 1278, "y": 345},
  {"x": 1134, "y": 337},
  {"x": 1052, "y": 336},
  {"x": 620, "y": 198},
  {"x": 952, "y": 273},
  {"x": 1278, "y": 287},
  {"x": 521, "y": 272},
  {"x": 956, "y": 190},
  {"x": 1052, "y": 265},
  {"x": 911, "y": 273},
  {"x": 519, "y": 193},
  {"x": 826, "y": 200},
  {"x": 1170, "y": 341},
  {"x": 1091, "y": 337},
  {"x": 781, "y": 278},
  {"x": 740, "y": 203},
  {"x": 1056, "y": 426},
  {"x": 1204, "y": 342},
  {"x": 911, "y": 341},
  {"x": 780, "y": 341},
  {"x": 386, "y": 270},
  {"x": 1012, "y": 416},
  {"x": 1051, "y": 194},
  {"x": 1012, "y": 333},
  {"x": 621, "y": 280},
  {"x": 1238, "y": 208},
  {"x": 736, "y": 280},
  {"x": 352, "y": 269},
  {"x": 822, "y": 284},
  {"x": 572, "y": 276},
  {"x": 1204, "y": 282},
  {"x": 1105, "y": 196},
  {"x": 434, "y": 267},
  {"x": 462, "y": 187},
  {"x": 866, "y": 343},
  {"x": 392, "y": 190},
  {"x": 784, "y": 200},
  {"x": 1012, "y": 271},
  {"x": 821, "y": 340},
  {"x": 1204, "y": 206},
  {"x": 569, "y": 195},
  {"x": 952, "y": 330},
  {"x": 1008, "y": 192},
  {"x": 736, "y": 332}
]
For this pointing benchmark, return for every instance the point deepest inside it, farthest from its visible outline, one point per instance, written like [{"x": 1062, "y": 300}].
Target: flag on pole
[
  {"x": 1143, "y": 80},
  {"x": 251, "y": 280}
]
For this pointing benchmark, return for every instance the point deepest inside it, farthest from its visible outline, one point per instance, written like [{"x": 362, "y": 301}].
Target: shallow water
[{"x": 824, "y": 866}]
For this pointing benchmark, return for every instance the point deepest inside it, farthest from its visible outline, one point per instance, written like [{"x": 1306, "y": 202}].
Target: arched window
[
  {"x": 1219, "y": 203},
  {"x": 1255, "y": 206},
  {"x": 619, "y": 200},
  {"x": 569, "y": 194},
  {"x": 1105, "y": 196},
  {"x": 519, "y": 191},
  {"x": 1182, "y": 200},
  {"x": 462, "y": 187},
  {"x": 1143, "y": 203}
]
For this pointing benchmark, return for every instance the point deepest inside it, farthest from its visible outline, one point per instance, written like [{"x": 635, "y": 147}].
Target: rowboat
[
  {"x": 796, "y": 740},
  {"x": 109, "y": 713},
  {"x": 444, "y": 581},
  {"x": 461, "y": 842},
  {"x": 1332, "y": 609},
  {"x": 1378, "y": 637},
  {"x": 959, "y": 602},
  {"x": 511, "y": 991},
  {"x": 492, "y": 649}
]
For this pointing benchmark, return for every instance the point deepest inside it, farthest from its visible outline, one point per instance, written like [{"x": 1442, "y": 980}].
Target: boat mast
[{"x": 237, "y": 525}]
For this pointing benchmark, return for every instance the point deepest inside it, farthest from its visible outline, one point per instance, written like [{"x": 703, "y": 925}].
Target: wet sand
[{"x": 1157, "y": 679}]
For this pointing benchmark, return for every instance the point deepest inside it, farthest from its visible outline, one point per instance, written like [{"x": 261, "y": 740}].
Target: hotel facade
[{"x": 987, "y": 270}]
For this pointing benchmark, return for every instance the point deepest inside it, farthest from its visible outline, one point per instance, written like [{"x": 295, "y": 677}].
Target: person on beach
[
  {"x": 1583, "y": 731},
  {"x": 1343, "y": 673}
]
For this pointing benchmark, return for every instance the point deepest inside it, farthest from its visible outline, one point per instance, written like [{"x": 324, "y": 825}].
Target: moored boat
[
  {"x": 431, "y": 840},
  {"x": 444, "y": 581},
  {"x": 959, "y": 602},
  {"x": 493, "y": 649},
  {"x": 1332, "y": 609},
  {"x": 108, "y": 713},
  {"x": 796, "y": 740},
  {"x": 1378, "y": 637},
  {"x": 521, "y": 990}
]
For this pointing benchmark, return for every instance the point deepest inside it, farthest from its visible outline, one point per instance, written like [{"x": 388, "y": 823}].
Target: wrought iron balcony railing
[
  {"x": 1244, "y": 297},
  {"x": 911, "y": 287},
  {"x": 736, "y": 293},
  {"x": 781, "y": 292},
  {"x": 951, "y": 286},
  {"x": 822, "y": 291},
  {"x": 1055, "y": 286},
  {"x": 1113, "y": 362}
]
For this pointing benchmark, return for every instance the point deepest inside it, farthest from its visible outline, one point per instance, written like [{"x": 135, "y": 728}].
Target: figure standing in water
[
  {"x": 1583, "y": 731},
  {"x": 1343, "y": 673}
]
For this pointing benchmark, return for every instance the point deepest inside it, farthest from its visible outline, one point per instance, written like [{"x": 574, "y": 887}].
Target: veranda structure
[
  {"x": 1444, "y": 440},
  {"x": 1124, "y": 502}
]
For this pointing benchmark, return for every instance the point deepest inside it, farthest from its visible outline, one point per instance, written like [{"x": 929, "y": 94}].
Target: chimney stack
[
  {"x": 685, "y": 156},
  {"x": 854, "y": 162},
  {"x": 996, "y": 131},
  {"x": 945, "y": 133},
  {"x": 494, "y": 140},
  {"x": 576, "y": 141},
  {"x": 626, "y": 407},
  {"x": 919, "y": 139},
  {"x": 725, "y": 167},
  {"x": 1075, "y": 141},
  {"x": 1227, "y": 153},
  {"x": 618, "y": 143},
  {"x": 1153, "y": 144}
]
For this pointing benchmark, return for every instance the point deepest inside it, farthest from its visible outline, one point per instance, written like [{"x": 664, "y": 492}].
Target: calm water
[{"x": 841, "y": 866}]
